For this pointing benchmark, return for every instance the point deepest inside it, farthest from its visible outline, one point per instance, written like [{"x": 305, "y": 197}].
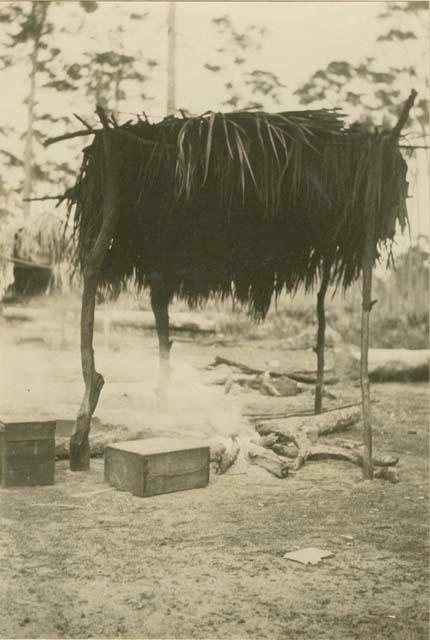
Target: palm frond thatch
[{"x": 248, "y": 202}]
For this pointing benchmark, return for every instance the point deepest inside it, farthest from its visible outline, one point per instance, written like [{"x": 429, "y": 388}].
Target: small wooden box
[
  {"x": 157, "y": 465},
  {"x": 27, "y": 453}
]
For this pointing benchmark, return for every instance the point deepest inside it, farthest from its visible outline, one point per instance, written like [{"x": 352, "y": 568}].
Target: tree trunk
[
  {"x": 319, "y": 388},
  {"x": 160, "y": 307},
  {"x": 171, "y": 61},
  {"x": 79, "y": 441},
  {"x": 28, "y": 149},
  {"x": 39, "y": 11}
]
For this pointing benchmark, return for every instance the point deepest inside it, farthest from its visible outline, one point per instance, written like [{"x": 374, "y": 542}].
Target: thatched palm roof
[{"x": 243, "y": 203}]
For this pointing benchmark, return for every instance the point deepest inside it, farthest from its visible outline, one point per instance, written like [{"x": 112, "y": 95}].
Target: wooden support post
[
  {"x": 320, "y": 348},
  {"x": 160, "y": 307},
  {"x": 367, "y": 267},
  {"x": 79, "y": 441},
  {"x": 367, "y": 304}
]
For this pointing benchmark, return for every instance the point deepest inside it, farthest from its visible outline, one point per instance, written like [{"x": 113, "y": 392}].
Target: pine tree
[
  {"x": 27, "y": 37},
  {"x": 245, "y": 87},
  {"x": 376, "y": 84}
]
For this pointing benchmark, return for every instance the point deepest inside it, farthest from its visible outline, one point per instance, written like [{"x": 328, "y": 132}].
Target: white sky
[{"x": 301, "y": 38}]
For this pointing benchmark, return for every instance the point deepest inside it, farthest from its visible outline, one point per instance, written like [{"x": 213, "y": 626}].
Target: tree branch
[
  {"x": 396, "y": 131},
  {"x": 89, "y": 132},
  {"x": 68, "y": 136}
]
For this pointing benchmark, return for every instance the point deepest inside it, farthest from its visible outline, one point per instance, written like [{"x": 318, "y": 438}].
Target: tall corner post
[
  {"x": 320, "y": 348},
  {"x": 367, "y": 269},
  {"x": 94, "y": 381}
]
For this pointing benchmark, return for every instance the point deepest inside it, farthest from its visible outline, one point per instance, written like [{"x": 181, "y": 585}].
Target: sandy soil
[{"x": 82, "y": 560}]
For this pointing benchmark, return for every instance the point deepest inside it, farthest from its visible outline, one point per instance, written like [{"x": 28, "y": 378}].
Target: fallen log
[
  {"x": 319, "y": 451},
  {"x": 224, "y": 375},
  {"x": 102, "y": 434},
  {"x": 379, "y": 460},
  {"x": 223, "y": 455},
  {"x": 350, "y": 453},
  {"x": 266, "y": 442},
  {"x": 218, "y": 376},
  {"x": 307, "y": 377},
  {"x": 262, "y": 411},
  {"x": 304, "y": 431},
  {"x": 99, "y": 441},
  {"x": 179, "y": 321},
  {"x": 219, "y": 360},
  {"x": 28, "y": 314},
  {"x": 267, "y": 386},
  {"x": 260, "y": 417},
  {"x": 392, "y": 475},
  {"x": 397, "y": 365},
  {"x": 331, "y": 452},
  {"x": 268, "y": 460},
  {"x": 285, "y": 450},
  {"x": 293, "y": 428},
  {"x": 278, "y": 408},
  {"x": 298, "y": 437}
]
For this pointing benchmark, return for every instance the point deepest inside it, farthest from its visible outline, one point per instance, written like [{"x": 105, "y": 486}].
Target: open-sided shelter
[{"x": 245, "y": 204}]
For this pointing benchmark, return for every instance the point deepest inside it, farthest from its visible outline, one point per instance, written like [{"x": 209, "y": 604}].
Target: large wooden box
[
  {"x": 157, "y": 465},
  {"x": 27, "y": 453}
]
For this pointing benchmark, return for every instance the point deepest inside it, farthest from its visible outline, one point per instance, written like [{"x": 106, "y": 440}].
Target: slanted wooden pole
[
  {"x": 367, "y": 267},
  {"x": 171, "y": 58},
  {"x": 79, "y": 441},
  {"x": 160, "y": 307},
  {"x": 320, "y": 348}
]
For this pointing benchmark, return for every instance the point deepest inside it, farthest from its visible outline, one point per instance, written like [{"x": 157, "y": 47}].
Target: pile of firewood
[
  {"x": 271, "y": 382},
  {"x": 282, "y": 446},
  {"x": 284, "y": 442}
]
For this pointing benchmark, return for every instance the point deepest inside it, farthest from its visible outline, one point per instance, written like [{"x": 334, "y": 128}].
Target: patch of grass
[{"x": 409, "y": 331}]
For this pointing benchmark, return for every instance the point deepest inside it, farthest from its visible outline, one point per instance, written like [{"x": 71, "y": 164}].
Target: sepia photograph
[{"x": 214, "y": 320}]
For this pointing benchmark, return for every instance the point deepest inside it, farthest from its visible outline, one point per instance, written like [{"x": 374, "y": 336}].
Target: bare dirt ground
[{"x": 82, "y": 560}]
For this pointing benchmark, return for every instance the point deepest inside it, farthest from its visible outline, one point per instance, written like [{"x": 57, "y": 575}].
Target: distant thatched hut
[
  {"x": 242, "y": 204},
  {"x": 37, "y": 248}
]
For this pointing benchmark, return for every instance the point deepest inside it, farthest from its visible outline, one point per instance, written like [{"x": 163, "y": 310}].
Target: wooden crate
[
  {"x": 27, "y": 453},
  {"x": 157, "y": 465}
]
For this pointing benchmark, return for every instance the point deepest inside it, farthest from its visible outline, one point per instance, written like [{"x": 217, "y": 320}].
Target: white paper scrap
[{"x": 310, "y": 555}]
